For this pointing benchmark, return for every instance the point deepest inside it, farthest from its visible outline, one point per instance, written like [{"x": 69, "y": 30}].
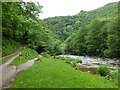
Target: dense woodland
[{"x": 92, "y": 33}]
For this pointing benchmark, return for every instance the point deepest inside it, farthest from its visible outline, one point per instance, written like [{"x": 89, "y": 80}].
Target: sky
[{"x": 53, "y": 8}]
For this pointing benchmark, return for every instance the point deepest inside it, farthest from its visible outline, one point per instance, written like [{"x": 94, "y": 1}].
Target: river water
[{"x": 90, "y": 64}]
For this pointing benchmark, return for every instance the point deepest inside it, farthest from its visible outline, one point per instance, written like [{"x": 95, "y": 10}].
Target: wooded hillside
[{"x": 93, "y": 33}]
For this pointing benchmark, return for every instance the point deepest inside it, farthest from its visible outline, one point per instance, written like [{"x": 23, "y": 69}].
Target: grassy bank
[
  {"x": 52, "y": 73},
  {"x": 26, "y": 55},
  {"x": 6, "y": 58}
]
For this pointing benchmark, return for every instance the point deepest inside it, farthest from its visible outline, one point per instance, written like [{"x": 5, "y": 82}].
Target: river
[{"x": 90, "y": 64}]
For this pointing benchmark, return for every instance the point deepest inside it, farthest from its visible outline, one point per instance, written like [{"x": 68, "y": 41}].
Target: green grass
[
  {"x": 27, "y": 54},
  {"x": 52, "y": 73},
  {"x": 6, "y": 58}
]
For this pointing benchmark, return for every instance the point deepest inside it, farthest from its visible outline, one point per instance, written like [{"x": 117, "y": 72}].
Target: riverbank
[{"x": 94, "y": 62}]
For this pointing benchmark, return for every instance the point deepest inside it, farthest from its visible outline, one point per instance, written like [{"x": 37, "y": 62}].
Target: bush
[
  {"x": 60, "y": 58},
  {"x": 69, "y": 60},
  {"x": 39, "y": 59},
  {"x": 103, "y": 70},
  {"x": 73, "y": 64},
  {"x": 9, "y": 46},
  {"x": 45, "y": 54},
  {"x": 113, "y": 75},
  {"x": 79, "y": 61},
  {"x": 27, "y": 54}
]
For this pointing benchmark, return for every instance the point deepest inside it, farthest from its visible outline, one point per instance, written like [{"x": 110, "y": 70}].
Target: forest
[
  {"x": 38, "y": 44},
  {"x": 92, "y": 33}
]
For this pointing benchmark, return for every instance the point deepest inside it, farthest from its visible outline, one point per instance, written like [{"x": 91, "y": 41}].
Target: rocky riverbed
[{"x": 90, "y": 64}]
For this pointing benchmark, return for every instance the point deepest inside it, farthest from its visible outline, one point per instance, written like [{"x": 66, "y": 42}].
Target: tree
[
  {"x": 22, "y": 24},
  {"x": 95, "y": 39},
  {"x": 81, "y": 41},
  {"x": 113, "y": 38}
]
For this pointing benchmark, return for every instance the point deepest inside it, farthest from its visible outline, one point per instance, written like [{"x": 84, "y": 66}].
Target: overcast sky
[{"x": 53, "y": 8}]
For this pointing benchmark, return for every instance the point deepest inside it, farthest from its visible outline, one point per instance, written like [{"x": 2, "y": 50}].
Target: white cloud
[{"x": 53, "y": 8}]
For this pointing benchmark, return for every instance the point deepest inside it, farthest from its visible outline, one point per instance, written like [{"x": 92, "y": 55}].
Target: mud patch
[{"x": 85, "y": 69}]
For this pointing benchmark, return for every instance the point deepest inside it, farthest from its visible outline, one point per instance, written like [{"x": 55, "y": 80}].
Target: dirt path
[
  {"x": 26, "y": 65},
  {"x": 9, "y": 72}
]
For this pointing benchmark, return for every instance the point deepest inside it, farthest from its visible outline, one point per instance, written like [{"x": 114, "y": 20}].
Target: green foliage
[
  {"x": 100, "y": 38},
  {"x": 113, "y": 76},
  {"x": 61, "y": 26},
  {"x": 53, "y": 45},
  {"x": 18, "y": 22},
  {"x": 52, "y": 73},
  {"x": 103, "y": 70},
  {"x": 84, "y": 34},
  {"x": 79, "y": 61},
  {"x": 27, "y": 54},
  {"x": 45, "y": 54},
  {"x": 113, "y": 38},
  {"x": 73, "y": 62},
  {"x": 6, "y": 58},
  {"x": 21, "y": 23},
  {"x": 95, "y": 38},
  {"x": 76, "y": 44},
  {"x": 9, "y": 46},
  {"x": 39, "y": 59},
  {"x": 60, "y": 58},
  {"x": 64, "y": 26},
  {"x": 69, "y": 60}
]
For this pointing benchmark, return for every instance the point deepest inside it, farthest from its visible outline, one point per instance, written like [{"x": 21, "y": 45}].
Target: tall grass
[{"x": 9, "y": 46}]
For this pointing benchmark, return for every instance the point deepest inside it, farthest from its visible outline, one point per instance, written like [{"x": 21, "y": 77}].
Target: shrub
[
  {"x": 9, "y": 46},
  {"x": 27, "y": 54},
  {"x": 60, "y": 58},
  {"x": 69, "y": 60},
  {"x": 103, "y": 70},
  {"x": 113, "y": 75},
  {"x": 39, "y": 59},
  {"x": 45, "y": 54},
  {"x": 79, "y": 61},
  {"x": 73, "y": 63}
]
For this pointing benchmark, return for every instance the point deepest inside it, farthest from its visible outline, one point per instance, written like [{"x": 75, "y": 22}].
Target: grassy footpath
[
  {"x": 6, "y": 58},
  {"x": 27, "y": 54},
  {"x": 52, "y": 73}
]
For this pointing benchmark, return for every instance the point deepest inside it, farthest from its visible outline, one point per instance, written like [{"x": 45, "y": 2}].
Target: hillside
[{"x": 64, "y": 26}]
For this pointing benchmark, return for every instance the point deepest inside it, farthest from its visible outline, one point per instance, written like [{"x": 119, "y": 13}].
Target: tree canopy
[{"x": 21, "y": 23}]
